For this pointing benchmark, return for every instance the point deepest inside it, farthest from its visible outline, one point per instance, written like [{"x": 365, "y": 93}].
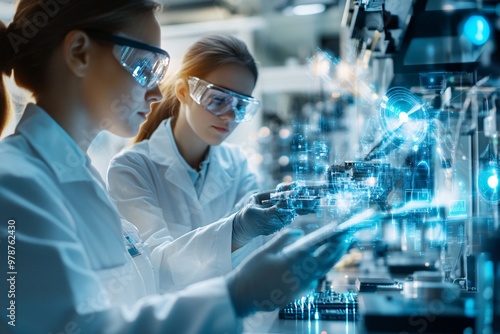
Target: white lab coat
[
  {"x": 153, "y": 190},
  {"x": 72, "y": 270}
]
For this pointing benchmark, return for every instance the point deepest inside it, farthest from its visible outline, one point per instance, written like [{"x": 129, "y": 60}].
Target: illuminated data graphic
[
  {"x": 403, "y": 116},
  {"x": 488, "y": 184}
]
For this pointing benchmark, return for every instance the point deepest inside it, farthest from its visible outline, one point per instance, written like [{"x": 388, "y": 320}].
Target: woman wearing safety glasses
[
  {"x": 94, "y": 65},
  {"x": 181, "y": 175}
]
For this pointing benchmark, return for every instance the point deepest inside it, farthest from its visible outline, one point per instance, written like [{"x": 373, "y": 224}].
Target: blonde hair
[
  {"x": 40, "y": 26},
  {"x": 202, "y": 58}
]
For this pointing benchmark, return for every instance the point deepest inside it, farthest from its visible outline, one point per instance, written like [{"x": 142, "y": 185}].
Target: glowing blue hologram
[
  {"x": 458, "y": 208},
  {"x": 357, "y": 184},
  {"x": 493, "y": 181},
  {"x": 403, "y": 115},
  {"x": 366, "y": 219},
  {"x": 300, "y": 152},
  {"x": 342, "y": 203},
  {"x": 488, "y": 184},
  {"x": 321, "y": 153},
  {"x": 421, "y": 175},
  {"x": 477, "y": 30},
  {"x": 413, "y": 195},
  {"x": 406, "y": 122},
  {"x": 301, "y": 196},
  {"x": 322, "y": 304}
]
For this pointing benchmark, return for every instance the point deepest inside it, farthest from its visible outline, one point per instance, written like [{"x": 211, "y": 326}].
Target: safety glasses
[
  {"x": 220, "y": 101},
  {"x": 146, "y": 63}
]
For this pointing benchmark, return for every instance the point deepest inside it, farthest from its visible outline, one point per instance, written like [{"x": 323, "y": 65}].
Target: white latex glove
[
  {"x": 269, "y": 279},
  {"x": 260, "y": 217}
]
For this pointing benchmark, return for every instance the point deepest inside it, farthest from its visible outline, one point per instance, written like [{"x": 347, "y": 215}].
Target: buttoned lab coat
[
  {"x": 72, "y": 271},
  {"x": 152, "y": 189}
]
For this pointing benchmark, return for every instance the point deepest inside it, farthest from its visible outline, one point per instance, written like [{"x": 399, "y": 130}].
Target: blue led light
[
  {"x": 493, "y": 181},
  {"x": 477, "y": 30},
  {"x": 488, "y": 183}
]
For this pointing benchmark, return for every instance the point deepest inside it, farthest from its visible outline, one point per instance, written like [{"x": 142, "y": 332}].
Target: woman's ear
[
  {"x": 76, "y": 52},
  {"x": 181, "y": 90}
]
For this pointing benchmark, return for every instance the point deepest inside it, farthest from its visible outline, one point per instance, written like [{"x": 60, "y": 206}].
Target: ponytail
[
  {"x": 166, "y": 108},
  {"x": 4, "y": 70}
]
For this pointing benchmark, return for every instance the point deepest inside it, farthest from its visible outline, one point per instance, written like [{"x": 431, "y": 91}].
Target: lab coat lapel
[
  {"x": 59, "y": 151},
  {"x": 219, "y": 177},
  {"x": 163, "y": 152},
  {"x": 177, "y": 175}
]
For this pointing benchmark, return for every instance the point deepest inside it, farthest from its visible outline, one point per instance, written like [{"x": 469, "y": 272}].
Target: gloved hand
[
  {"x": 260, "y": 217},
  {"x": 270, "y": 278}
]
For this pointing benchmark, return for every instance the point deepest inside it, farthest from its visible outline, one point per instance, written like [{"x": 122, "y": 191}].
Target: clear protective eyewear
[
  {"x": 220, "y": 101},
  {"x": 147, "y": 64}
]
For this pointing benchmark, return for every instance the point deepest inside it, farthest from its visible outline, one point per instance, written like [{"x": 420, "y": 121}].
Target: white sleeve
[
  {"x": 198, "y": 255},
  {"x": 55, "y": 289}
]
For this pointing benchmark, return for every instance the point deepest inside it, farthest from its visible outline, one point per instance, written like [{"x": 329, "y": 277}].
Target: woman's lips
[{"x": 221, "y": 129}]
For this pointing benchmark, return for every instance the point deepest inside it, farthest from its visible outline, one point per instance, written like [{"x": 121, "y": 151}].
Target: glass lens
[
  {"x": 147, "y": 68},
  {"x": 220, "y": 101}
]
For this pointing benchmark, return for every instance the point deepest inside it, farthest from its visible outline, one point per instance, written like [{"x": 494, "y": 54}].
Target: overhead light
[
  {"x": 310, "y": 9},
  {"x": 449, "y": 7}
]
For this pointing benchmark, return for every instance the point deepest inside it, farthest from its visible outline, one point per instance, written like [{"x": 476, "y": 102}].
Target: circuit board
[{"x": 323, "y": 305}]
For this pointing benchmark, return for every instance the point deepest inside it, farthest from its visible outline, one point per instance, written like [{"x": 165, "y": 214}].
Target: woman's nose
[
  {"x": 154, "y": 94},
  {"x": 230, "y": 116}
]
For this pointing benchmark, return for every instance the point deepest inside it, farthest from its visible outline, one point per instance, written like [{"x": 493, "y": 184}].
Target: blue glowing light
[
  {"x": 488, "y": 183},
  {"x": 477, "y": 30},
  {"x": 403, "y": 115},
  {"x": 493, "y": 181}
]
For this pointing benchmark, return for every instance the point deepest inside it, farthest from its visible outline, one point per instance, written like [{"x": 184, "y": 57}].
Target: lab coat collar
[
  {"x": 219, "y": 177},
  {"x": 163, "y": 151},
  {"x": 161, "y": 148},
  {"x": 54, "y": 145}
]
